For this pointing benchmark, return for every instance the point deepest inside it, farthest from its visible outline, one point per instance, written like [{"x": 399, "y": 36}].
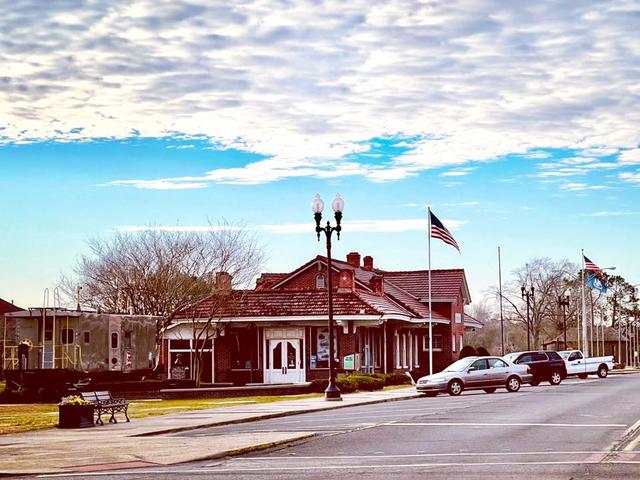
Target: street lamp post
[
  {"x": 528, "y": 296},
  {"x": 563, "y": 302},
  {"x": 317, "y": 206}
]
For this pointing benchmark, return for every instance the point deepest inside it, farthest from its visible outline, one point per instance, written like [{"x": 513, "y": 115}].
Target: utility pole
[
  {"x": 563, "y": 302},
  {"x": 528, "y": 296}
]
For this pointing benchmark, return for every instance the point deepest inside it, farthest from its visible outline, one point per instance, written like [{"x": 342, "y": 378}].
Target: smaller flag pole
[
  {"x": 430, "y": 316},
  {"x": 585, "y": 345},
  {"x": 500, "y": 293}
]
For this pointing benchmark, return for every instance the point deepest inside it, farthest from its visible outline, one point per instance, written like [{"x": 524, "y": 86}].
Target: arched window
[{"x": 320, "y": 281}]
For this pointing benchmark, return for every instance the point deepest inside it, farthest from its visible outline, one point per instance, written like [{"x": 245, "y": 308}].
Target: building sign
[{"x": 349, "y": 362}]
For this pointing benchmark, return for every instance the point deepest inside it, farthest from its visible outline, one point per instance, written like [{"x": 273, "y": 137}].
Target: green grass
[{"x": 16, "y": 418}]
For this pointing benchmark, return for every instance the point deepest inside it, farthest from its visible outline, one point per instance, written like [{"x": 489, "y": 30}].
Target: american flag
[
  {"x": 438, "y": 230},
  {"x": 589, "y": 266}
]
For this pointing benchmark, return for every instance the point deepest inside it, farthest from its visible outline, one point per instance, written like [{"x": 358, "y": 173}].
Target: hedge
[{"x": 350, "y": 383}]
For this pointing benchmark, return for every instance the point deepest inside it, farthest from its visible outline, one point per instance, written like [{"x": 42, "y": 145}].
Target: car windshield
[
  {"x": 564, "y": 355},
  {"x": 459, "y": 365},
  {"x": 510, "y": 357}
]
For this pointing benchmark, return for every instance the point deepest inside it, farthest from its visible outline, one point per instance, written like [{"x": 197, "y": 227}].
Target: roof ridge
[{"x": 424, "y": 271}]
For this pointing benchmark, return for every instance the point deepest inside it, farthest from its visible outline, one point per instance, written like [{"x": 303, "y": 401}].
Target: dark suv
[{"x": 545, "y": 366}]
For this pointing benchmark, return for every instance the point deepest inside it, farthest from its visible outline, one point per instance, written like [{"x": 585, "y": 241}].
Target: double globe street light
[{"x": 317, "y": 206}]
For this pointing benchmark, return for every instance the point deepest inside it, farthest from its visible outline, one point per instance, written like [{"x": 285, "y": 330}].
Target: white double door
[{"x": 285, "y": 361}]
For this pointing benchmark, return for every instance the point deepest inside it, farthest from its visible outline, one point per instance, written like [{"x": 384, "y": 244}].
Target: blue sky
[{"x": 518, "y": 125}]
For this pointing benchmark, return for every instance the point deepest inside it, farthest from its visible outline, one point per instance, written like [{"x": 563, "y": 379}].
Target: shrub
[
  {"x": 467, "y": 351},
  {"x": 482, "y": 352},
  {"x": 394, "y": 378},
  {"x": 350, "y": 383},
  {"x": 367, "y": 383}
]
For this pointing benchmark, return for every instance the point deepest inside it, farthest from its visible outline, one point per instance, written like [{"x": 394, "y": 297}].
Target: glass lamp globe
[
  {"x": 338, "y": 204},
  {"x": 317, "y": 205}
]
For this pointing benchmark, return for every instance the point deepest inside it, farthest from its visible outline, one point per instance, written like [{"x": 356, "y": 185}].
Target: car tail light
[{"x": 528, "y": 369}]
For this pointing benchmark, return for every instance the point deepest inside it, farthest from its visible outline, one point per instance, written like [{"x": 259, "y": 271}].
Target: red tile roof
[
  {"x": 444, "y": 283},
  {"x": 278, "y": 303},
  {"x": 404, "y": 295}
]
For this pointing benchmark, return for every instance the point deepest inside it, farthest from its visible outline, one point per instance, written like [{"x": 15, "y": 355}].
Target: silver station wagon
[{"x": 472, "y": 373}]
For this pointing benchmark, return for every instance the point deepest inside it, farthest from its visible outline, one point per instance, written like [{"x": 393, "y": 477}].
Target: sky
[{"x": 517, "y": 122}]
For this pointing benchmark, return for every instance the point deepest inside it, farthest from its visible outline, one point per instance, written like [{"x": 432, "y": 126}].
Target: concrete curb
[
  {"x": 214, "y": 456},
  {"x": 268, "y": 416}
]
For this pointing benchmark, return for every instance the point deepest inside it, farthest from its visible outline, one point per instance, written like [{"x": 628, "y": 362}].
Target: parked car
[
  {"x": 545, "y": 365},
  {"x": 578, "y": 364},
  {"x": 469, "y": 373}
]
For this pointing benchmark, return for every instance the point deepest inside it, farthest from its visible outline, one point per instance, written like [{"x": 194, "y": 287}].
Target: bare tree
[
  {"x": 550, "y": 279},
  {"x": 158, "y": 272}
]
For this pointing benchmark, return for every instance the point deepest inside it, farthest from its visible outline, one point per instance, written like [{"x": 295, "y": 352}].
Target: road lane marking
[
  {"x": 326, "y": 467},
  {"x": 634, "y": 430},
  {"x": 460, "y": 424},
  {"x": 414, "y": 455}
]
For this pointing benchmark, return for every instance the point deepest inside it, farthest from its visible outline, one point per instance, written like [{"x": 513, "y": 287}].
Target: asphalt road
[{"x": 577, "y": 430}]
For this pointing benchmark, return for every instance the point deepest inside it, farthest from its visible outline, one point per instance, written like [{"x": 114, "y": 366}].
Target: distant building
[{"x": 277, "y": 332}]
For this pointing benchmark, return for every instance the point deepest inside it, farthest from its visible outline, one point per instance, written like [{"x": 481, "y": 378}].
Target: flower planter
[{"x": 75, "y": 416}]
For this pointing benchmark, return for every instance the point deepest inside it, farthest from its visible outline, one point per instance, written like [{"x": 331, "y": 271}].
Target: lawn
[{"x": 15, "y": 418}]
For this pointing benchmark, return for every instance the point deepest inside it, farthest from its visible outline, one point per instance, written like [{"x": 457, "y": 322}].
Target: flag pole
[
  {"x": 500, "y": 292},
  {"x": 585, "y": 345},
  {"x": 430, "y": 315}
]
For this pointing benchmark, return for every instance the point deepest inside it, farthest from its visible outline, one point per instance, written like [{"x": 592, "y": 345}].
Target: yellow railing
[{"x": 60, "y": 356}]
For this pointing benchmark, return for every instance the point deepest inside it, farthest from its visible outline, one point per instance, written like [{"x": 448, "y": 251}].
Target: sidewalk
[{"x": 142, "y": 443}]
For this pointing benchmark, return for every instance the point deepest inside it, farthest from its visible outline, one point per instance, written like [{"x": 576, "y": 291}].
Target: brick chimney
[
  {"x": 223, "y": 282},
  {"x": 353, "y": 259},
  {"x": 367, "y": 262},
  {"x": 377, "y": 284}
]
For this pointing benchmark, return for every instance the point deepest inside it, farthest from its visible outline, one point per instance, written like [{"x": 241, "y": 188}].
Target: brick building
[{"x": 277, "y": 332}]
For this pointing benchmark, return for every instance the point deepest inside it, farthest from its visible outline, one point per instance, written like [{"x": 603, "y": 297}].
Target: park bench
[{"x": 103, "y": 402}]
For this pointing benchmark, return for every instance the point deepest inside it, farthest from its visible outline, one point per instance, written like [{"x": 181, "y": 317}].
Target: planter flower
[{"x": 75, "y": 412}]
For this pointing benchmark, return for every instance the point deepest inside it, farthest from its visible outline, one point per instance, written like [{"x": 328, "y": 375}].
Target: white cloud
[
  {"x": 370, "y": 226},
  {"x": 609, "y": 214},
  {"x": 578, "y": 187},
  {"x": 630, "y": 157},
  {"x": 630, "y": 177},
  {"x": 470, "y": 203},
  {"x": 305, "y": 84}
]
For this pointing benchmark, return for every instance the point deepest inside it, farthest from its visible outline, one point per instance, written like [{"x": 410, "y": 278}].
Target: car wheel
[
  {"x": 455, "y": 387},
  {"x": 603, "y": 371},
  {"x": 582, "y": 375},
  {"x": 535, "y": 382},
  {"x": 513, "y": 384},
  {"x": 490, "y": 390},
  {"x": 555, "y": 378},
  {"x": 430, "y": 394}
]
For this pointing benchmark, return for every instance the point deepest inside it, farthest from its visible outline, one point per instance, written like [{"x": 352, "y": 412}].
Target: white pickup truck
[{"x": 578, "y": 364}]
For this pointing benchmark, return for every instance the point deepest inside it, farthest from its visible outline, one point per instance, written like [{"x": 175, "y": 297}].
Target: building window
[
  {"x": 437, "y": 343},
  {"x": 458, "y": 317},
  {"x": 127, "y": 339},
  {"x": 461, "y": 343},
  {"x": 396, "y": 339},
  {"x": 320, "y": 347},
  {"x": 86, "y": 337},
  {"x": 320, "y": 281},
  {"x": 114, "y": 340},
  {"x": 416, "y": 356},
  {"x": 453, "y": 342},
  {"x": 67, "y": 336},
  {"x": 243, "y": 344}
]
